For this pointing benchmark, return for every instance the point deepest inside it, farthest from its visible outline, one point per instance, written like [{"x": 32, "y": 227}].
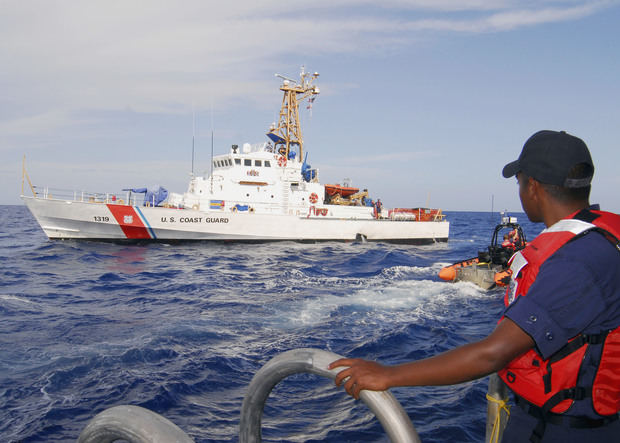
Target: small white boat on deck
[{"x": 260, "y": 192}]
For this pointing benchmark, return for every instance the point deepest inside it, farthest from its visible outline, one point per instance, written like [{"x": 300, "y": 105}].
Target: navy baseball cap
[{"x": 548, "y": 156}]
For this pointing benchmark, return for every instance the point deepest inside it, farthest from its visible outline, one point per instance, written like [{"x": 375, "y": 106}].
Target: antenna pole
[
  {"x": 193, "y": 136},
  {"x": 25, "y": 174},
  {"x": 212, "y": 148},
  {"x": 211, "y": 161}
]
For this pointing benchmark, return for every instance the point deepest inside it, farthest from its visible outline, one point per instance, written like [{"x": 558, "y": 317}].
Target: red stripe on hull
[{"x": 129, "y": 221}]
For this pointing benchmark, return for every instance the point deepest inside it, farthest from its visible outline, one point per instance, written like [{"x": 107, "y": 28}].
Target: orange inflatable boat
[
  {"x": 490, "y": 268},
  {"x": 484, "y": 274}
]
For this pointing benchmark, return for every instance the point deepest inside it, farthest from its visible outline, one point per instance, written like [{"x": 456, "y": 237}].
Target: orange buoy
[{"x": 448, "y": 273}]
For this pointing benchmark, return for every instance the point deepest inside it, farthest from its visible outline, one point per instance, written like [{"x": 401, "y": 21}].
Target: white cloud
[
  {"x": 527, "y": 17},
  {"x": 63, "y": 57}
]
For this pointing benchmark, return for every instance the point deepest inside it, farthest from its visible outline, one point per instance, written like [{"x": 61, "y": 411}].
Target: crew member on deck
[{"x": 378, "y": 207}]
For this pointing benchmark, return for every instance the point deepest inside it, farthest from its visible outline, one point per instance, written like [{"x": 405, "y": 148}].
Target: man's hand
[{"x": 361, "y": 374}]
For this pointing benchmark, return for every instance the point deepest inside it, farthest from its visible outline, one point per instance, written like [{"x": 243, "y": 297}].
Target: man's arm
[{"x": 468, "y": 362}]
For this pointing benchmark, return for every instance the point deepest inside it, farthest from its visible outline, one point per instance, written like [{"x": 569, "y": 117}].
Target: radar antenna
[{"x": 287, "y": 133}]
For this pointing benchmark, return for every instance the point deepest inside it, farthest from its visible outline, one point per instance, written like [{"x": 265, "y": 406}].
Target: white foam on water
[
  {"x": 387, "y": 301},
  {"x": 9, "y": 297}
]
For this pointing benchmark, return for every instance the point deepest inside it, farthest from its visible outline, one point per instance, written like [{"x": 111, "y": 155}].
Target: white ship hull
[{"x": 68, "y": 219}]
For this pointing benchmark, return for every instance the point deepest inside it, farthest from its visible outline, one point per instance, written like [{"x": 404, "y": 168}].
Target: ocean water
[{"x": 182, "y": 329}]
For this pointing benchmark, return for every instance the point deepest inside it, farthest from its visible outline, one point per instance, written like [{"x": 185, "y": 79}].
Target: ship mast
[{"x": 287, "y": 133}]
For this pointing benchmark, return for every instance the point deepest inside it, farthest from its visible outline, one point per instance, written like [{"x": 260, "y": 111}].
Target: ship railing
[{"x": 120, "y": 198}]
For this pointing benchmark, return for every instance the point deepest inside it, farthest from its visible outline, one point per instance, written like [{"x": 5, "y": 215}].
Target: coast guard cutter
[{"x": 254, "y": 192}]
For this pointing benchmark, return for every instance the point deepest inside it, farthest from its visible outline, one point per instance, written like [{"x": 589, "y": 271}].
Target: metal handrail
[
  {"x": 388, "y": 410},
  {"x": 133, "y": 424}
]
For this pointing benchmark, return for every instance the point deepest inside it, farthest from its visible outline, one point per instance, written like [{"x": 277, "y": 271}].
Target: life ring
[
  {"x": 234, "y": 209},
  {"x": 251, "y": 209},
  {"x": 282, "y": 161},
  {"x": 313, "y": 198},
  {"x": 195, "y": 207}
]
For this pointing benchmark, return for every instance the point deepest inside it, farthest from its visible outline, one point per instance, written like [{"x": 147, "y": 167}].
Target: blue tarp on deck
[{"x": 153, "y": 196}]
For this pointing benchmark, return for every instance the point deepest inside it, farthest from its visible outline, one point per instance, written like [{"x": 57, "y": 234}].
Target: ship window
[
  {"x": 257, "y": 163},
  {"x": 247, "y": 162},
  {"x": 214, "y": 164},
  {"x": 267, "y": 164},
  {"x": 237, "y": 161}
]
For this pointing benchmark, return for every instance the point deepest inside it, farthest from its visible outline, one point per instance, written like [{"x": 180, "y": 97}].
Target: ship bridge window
[
  {"x": 267, "y": 164},
  {"x": 247, "y": 162},
  {"x": 258, "y": 163},
  {"x": 238, "y": 161}
]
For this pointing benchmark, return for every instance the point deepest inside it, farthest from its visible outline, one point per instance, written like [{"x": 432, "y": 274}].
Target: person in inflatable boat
[
  {"x": 508, "y": 244},
  {"x": 557, "y": 345}
]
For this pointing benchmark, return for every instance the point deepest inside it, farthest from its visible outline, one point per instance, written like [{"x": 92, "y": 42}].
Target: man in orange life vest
[
  {"x": 508, "y": 244},
  {"x": 557, "y": 346}
]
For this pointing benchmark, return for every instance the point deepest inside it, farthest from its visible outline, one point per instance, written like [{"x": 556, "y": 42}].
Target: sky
[{"x": 422, "y": 102}]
